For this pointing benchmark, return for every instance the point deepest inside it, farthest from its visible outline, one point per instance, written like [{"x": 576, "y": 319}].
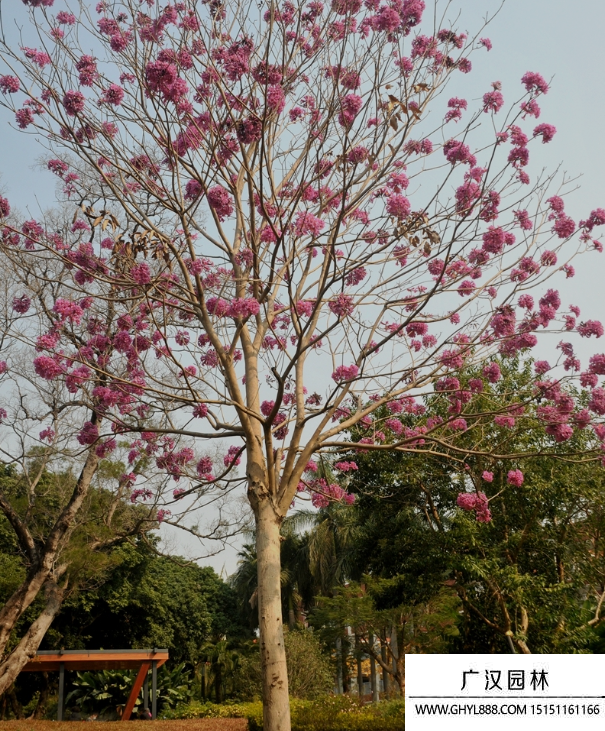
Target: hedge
[{"x": 332, "y": 713}]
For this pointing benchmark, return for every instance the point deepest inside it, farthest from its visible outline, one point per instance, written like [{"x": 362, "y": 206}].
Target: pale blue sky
[{"x": 561, "y": 40}]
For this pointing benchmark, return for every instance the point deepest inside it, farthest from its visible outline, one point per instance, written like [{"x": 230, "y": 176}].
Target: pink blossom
[
  {"x": 541, "y": 367},
  {"x": 357, "y": 155},
  {"x": 3, "y": 367},
  {"x": 467, "y": 196},
  {"x": 466, "y": 501},
  {"x": 488, "y": 476},
  {"x": 68, "y": 310},
  {"x": 276, "y": 100},
  {"x": 534, "y": 83},
  {"x": 9, "y": 84},
  {"x": 346, "y": 466},
  {"x": 546, "y": 131},
  {"x": 243, "y": 308},
  {"x": 24, "y": 117},
  {"x": 233, "y": 458},
  {"x": 342, "y": 305},
  {"x": 398, "y": 205},
  {"x": 458, "y": 425},
  {"x": 193, "y": 190},
  {"x": 345, "y": 373},
  {"x": 47, "y": 367},
  {"x": 590, "y": 327},
  {"x": 200, "y": 411},
  {"x": 204, "y": 468},
  {"x": 548, "y": 258},
  {"x": 350, "y": 106},
  {"x": 160, "y": 76},
  {"x": 73, "y": 102},
  {"x": 515, "y": 478},
  {"x": 220, "y": 201},
  {"x": 40, "y": 58},
  {"x": 493, "y": 101},
  {"x": 89, "y": 433},
  {"x": 486, "y": 43},
  {"x": 21, "y": 304},
  {"x": 141, "y": 273},
  {"x": 456, "y": 151},
  {"x": 466, "y": 288},
  {"x": 564, "y": 227},
  {"x": 308, "y": 224},
  {"x": 217, "y": 306},
  {"x": 523, "y": 220},
  {"x": 508, "y": 422},
  {"x": 87, "y": 68},
  {"x": 492, "y": 372},
  {"x": 114, "y": 94},
  {"x": 597, "y": 401},
  {"x": 65, "y": 18}
]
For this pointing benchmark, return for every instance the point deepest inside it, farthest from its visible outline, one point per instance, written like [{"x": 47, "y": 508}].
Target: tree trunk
[
  {"x": 385, "y": 674},
  {"x": 42, "y": 699},
  {"x": 27, "y": 648},
  {"x": 38, "y": 574},
  {"x": 276, "y": 706},
  {"x": 359, "y": 672},
  {"x": 20, "y": 600},
  {"x": 339, "y": 684}
]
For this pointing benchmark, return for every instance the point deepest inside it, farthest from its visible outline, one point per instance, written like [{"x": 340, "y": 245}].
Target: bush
[
  {"x": 331, "y": 713},
  {"x": 310, "y": 672},
  {"x": 104, "y": 691}
]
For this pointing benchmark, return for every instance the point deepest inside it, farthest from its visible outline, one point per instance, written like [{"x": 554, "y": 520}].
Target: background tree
[{"x": 301, "y": 128}]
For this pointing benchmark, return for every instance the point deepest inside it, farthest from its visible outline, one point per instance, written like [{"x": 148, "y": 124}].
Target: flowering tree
[{"x": 270, "y": 268}]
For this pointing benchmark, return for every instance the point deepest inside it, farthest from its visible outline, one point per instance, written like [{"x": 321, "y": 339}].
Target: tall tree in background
[{"x": 247, "y": 264}]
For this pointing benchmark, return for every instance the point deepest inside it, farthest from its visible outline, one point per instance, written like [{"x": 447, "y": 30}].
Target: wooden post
[
  {"x": 154, "y": 689},
  {"x": 136, "y": 688},
  {"x": 146, "y": 691},
  {"x": 60, "y": 706}
]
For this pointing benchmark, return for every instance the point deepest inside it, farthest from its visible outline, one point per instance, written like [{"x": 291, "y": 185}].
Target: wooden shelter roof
[{"x": 50, "y": 660}]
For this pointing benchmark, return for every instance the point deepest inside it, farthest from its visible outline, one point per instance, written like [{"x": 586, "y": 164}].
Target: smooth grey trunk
[
  {"x": 27, "y": 648},
  {"x": 276, "y": 705}
]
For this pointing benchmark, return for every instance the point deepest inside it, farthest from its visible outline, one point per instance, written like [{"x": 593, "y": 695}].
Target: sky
[{"x": 560, "y": 40}]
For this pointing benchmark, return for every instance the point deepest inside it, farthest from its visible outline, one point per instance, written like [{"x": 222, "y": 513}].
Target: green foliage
[
  {"x": 310, "y": 672},
  {"x": 105, "y": 691},
  {"x": 150, "y": 601},
  {"x": 331, "y": 713}
]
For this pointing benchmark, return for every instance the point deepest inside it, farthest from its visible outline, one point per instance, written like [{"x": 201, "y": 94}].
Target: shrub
[{"x": 330, "y": 713}]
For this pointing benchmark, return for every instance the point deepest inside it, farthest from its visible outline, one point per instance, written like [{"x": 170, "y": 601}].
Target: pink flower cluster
[
  {"x": 477, "y": 502},
  {"x": 68, "y": 310},
  {"x": 243, "y": 308},
  {"x": 345, "y": 373},
  {"x": 324, "y": 493},
  {"x": 306, "y": 224},
  {"x": 73, "y": 102},
  {"x": 350, "y": 106},
  {"x": 221, "y": 202},
  {"x": 232, "y": 458},
  {"x": 515, "y": 478},
  {"x": 342, "y": 305},
  {"x": 89, "y": 433}
]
